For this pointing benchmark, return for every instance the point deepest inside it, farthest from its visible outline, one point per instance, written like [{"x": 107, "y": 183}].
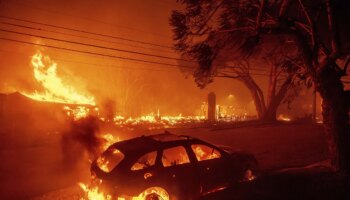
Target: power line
[
  {"x": 39, "y": 29},
  {"x": 87, "y": 63},
  {"x": 94, "y": 64},
  {"x": 93, "y": 45},
  {"x": 86, "y": 32},
  {"x": 80, "y": 36},
  {"x": 94, "y": 53},
  {"x": 254, "y": 69},
  {"x": 86, "y": 18}
]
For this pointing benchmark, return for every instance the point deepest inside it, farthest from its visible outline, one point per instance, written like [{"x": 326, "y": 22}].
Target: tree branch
[
  {"x": 283, "y": 8},
  {"x": 228, "y": 76},
  {"x": 259, "y": 17},
  {"x": 207, "y": 20}
]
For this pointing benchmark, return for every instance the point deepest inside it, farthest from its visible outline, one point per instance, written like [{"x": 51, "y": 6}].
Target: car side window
[
  {"x": 175, "y": 156},
  {"x": 145, "y": 161},
  {"x": 204, "y": 152}
]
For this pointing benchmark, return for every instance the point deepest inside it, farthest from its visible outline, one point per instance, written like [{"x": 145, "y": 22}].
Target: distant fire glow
[
  {"x": 77, "y": 105},
  {"x": 284, "y": 118}
]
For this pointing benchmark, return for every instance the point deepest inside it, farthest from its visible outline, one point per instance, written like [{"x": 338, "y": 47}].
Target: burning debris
[
  {"x": 157, "y": 120},
  {"x": 93, "y": 193}
]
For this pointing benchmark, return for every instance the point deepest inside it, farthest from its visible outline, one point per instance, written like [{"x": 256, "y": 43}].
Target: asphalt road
[{"x": 38, "y": 171}]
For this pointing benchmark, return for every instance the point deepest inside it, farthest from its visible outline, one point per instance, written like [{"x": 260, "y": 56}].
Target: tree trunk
[
  {"x": 275, "y": 101},
  {"x": 270, "y": 115},
  {"x": 335, "y": 118},
  {"x": 257, "y": 95},
  {"x": 272, "y": 85}
]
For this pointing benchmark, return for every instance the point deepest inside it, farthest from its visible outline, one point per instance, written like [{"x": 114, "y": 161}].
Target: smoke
[
  {"x": 108, "y": 109},
  {"x": 82, "y": 139}
]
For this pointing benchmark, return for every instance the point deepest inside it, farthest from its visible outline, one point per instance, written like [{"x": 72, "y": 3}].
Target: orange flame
[
  {"x": 94, "y": 193},
  {"x": 284, "y": 118},
  {"x": 45, "y": 72}
]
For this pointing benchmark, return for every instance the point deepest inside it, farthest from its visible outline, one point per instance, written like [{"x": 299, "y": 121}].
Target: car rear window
[
  {"x": 109, "y": 159},
  {"x": 204, "y": 152}
]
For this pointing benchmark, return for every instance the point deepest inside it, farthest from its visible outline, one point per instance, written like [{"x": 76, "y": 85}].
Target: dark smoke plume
[{"x": 83, "y": 136}]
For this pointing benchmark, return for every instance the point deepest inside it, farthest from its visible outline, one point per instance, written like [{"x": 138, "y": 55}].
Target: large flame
[{"x": 45, "y": 72}]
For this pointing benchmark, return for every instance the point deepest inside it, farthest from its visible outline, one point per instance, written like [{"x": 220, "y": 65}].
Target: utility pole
[{"x": 211, "y": 107}]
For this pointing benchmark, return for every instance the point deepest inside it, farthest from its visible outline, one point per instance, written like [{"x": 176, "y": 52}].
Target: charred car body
[{"x": 167, "y": 166}]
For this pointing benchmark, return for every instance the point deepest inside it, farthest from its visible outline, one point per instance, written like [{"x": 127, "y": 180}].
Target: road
[{"x": 38, "y": 171}]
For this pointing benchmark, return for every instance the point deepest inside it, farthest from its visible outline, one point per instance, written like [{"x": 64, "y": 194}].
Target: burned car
[{"x": 168, "y": 166}]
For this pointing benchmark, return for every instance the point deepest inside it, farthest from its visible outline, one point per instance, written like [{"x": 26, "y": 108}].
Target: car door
[
  {"x": 178, "y": 172},
  {"x": 143, "y": 172},
  {"x": 212, "y": 166}
]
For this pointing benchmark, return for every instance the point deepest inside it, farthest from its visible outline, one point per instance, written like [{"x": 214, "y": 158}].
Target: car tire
[
  {"x": 153, "y": 196},
  {"x": 155, "y": 193},
  {"x": 250, "y": 171}
]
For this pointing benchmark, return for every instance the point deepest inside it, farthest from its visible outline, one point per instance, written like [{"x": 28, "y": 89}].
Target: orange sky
[{"x": 147, "y": 87}]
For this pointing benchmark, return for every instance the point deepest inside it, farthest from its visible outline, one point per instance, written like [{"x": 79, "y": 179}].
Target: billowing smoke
[{"x": 82, "y": 139}]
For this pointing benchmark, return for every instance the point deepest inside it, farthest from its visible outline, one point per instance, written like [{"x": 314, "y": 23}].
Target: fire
[
  {"x": 45, "y": 72},
  {"x": 202, "y": 154},
  {"x": 77, "y": 113},
  {"x": 284, "y": 118},
  {"x": 94, "y": 193},
  {"x": 156, "y": 119},
  {"x": 109, "y": 140},
  {"x": 153, "y": 190}
]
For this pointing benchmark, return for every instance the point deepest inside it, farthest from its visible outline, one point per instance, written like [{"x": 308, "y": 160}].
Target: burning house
[{"x": 21, "y": 116}]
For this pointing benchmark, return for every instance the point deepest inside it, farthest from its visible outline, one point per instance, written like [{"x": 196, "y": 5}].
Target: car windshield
[{"x": 109, "y": 159}]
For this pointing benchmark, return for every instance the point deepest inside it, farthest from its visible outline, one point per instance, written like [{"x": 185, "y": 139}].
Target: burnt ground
[
  {"x": 314, "y": 183},
  {"x": 283, "y": 150}
]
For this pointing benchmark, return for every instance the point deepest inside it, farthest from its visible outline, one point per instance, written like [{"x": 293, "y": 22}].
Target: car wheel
[
  {"x": 250, "y": 172},
  {"x": 154, "y": 193}
]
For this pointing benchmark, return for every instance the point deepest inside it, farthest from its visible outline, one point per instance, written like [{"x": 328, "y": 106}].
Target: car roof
[{"x": 151, "y": 142}]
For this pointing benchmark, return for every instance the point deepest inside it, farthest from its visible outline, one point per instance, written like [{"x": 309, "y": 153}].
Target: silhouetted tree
[
  {"x": 206, "y": 28},
  {"x": 282, "y": 79}
]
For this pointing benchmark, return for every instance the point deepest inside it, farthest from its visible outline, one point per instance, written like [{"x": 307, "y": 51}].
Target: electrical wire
[
  {"x": 83, "y": 17},
  {"x": 86, "y": 32},
  {"x": 93, "y": 45},
  {"x": 87, "y": 63},
  {"x": 95, "y": 64},
  {"x": 93, "y": 53},
  {"x": 80, "y": 36}
]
